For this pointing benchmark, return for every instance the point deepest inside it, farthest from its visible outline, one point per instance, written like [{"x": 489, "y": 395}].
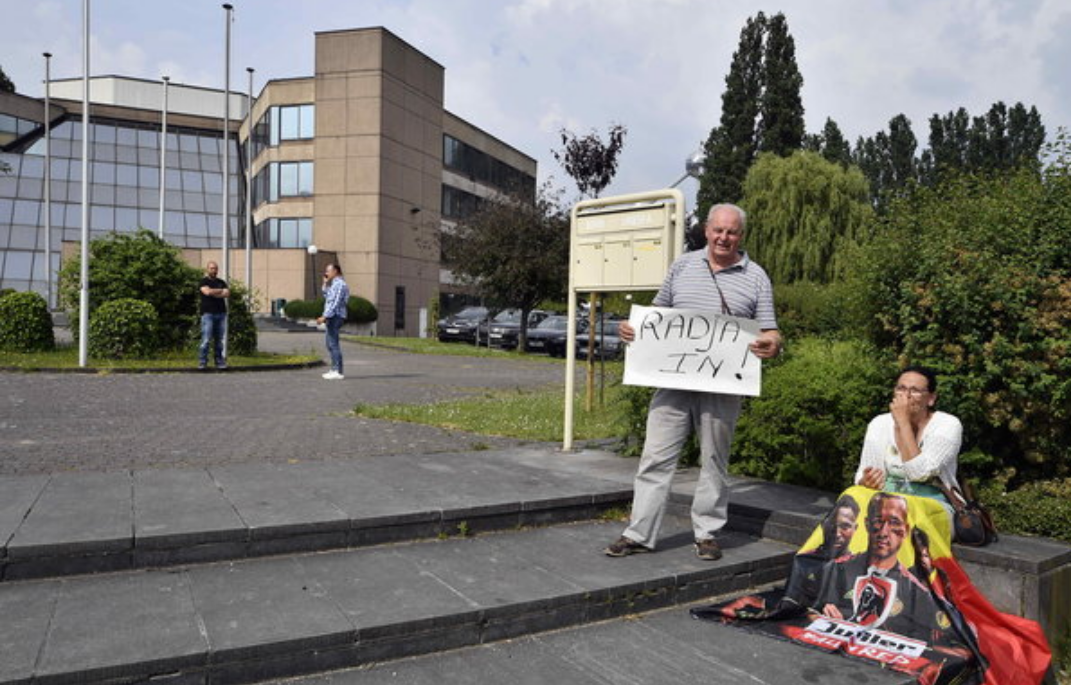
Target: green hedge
[
  {"x": 358, "y": 310},
  {"x": 123, "y": 328},
  {"x": 807, "y": 428},
  {"x": 1038, "y": 508},
  {"x": 25, "y": 323}
]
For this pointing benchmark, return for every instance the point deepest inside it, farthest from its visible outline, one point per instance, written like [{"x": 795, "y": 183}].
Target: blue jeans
[
  {"x": 334, "y": 323},
  {"x": 214, "y": 326}
]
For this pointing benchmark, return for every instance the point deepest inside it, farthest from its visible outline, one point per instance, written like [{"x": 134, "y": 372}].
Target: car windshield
[
  {"x": 508, "y": 316},
  {"x": 555, "y": 323},
  {"x": 471, "y": 313}
]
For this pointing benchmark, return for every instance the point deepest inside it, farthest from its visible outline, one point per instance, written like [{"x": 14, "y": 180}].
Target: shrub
[
  {"x": 973, "y": 278},
  {"x": 25, "y": 323},
  {"x": 6, "y": 291},
  {"x": 811, "y": 309},
  {"x": 123, "y": 328},
  {"x": 303, "y": 309},
  {"x": 359, "y": 310},
  {"x": 137, "y": 266},
  {"x": 808, "y": 425},
  {"x": 1038, "y": 508}
]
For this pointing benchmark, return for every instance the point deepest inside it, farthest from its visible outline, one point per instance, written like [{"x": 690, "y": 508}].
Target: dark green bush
[
  {"x": 25, "y": 323},
  {"x": 973, "y": 278},
  {"x": 1038, "y": 508},
  {"x": 807, "y": 427},
  {"x": 304, "y": 309},
  {"x": 811, "y": 309},
  {"x": 6, "y": 291},
  {"x": 137, "y": 266},
  {"x": 123, "y": 328},
  {"x": 359, "y": 310}
]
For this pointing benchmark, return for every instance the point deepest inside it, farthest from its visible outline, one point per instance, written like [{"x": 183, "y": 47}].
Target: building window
[
  {"x": 480, "y": 166},
  {"x": 458, "y": 204},
  {"x": 282, "y": 179},
  {"x": 282, "y": 123},
  {"x": 283, "y": 233}
]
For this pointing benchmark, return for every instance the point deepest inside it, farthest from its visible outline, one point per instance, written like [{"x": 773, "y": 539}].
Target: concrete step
[
  {"x": 665, "y": 646},
  {"x": 281, "y": 324},
  {"x": 74, "y": 523},
  {"x": 252, "y": 620}
]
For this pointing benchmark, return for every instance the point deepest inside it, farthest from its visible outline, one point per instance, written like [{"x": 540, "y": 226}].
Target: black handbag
[{"x": 971, "y": 521}]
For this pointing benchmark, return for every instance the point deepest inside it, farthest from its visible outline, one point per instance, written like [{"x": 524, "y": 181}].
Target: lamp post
[
  {"x": 48, "y": 181},
  {"x": 312, "y": 250},
  {"x": 249, "y": 190},
  {"x": 163, "y": 156},
  {"x": 226, "y": 258}
]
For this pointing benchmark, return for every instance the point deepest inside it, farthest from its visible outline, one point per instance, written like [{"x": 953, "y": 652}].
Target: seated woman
[
  {"x": 877, "y": 579},
  {"x": 908, "y": 448}
]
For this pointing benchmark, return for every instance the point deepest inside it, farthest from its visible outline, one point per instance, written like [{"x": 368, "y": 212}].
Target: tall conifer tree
[{"x": 781, "y": 126}]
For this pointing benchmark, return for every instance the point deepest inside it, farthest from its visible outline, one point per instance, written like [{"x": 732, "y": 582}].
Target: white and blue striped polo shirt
[{"x": 746, "y": 287}]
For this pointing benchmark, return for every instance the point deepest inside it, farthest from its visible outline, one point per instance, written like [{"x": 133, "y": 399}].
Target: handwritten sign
[{"x": 692, "y": 349}]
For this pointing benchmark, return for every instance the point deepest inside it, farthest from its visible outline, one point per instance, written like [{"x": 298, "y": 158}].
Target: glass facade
[
  {"x": 479, "y": 166},
  {"x": 458, "y": 204},
  {"x": 283, "y": 123},
  {"x": 12, "y": 127},
  {"x": 124, "y": 192},
  {"x": 282, "y": 179},
  {"x": 285, "y": 233}
]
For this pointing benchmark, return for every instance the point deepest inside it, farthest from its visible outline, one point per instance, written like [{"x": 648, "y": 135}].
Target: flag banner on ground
[
  {"x": 692, "y": 349},
  {"x": 877, "y": 581}
]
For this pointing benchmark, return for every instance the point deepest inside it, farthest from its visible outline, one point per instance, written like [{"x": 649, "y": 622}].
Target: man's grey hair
[{"x": 728, "y": 205}]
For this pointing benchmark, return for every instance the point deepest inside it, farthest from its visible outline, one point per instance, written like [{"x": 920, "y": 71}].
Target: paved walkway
[{"x": 63, "y": 422}]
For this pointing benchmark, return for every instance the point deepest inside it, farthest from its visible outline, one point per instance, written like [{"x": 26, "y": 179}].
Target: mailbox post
[{"x": 618, "y": 244}]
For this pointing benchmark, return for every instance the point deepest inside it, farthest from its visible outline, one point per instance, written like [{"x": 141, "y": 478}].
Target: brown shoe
[
  {"x": 708, "y": 550},
  {"x": 624, "y": 547}
]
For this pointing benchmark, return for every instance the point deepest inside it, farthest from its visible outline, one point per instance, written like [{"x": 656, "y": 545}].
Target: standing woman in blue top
[{"x": 336, "y": 294}]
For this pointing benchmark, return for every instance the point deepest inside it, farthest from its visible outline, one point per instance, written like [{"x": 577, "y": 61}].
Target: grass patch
[
  {"x": 456, "y": 349},
  {"x": 66, "y": 357},
  {"x": 522, "y": 413}
]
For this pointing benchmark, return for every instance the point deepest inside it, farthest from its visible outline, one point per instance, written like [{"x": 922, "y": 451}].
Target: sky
[{"x": 524, "y": 69}]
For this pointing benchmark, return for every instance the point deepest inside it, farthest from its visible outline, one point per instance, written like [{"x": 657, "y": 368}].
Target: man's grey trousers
[{"x": 670, "y": 420}]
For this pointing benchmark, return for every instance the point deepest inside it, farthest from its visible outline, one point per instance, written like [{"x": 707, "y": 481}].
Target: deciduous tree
[
  {"x": 515, "y": 251},
  {"x": 589, "y": 161},
  {"x": 802, "y": 211}
]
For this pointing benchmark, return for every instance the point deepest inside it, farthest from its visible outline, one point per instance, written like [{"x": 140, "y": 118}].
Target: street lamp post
[
  {"x": 48, "y": 182},
  {"x": 163, "y": 156}
]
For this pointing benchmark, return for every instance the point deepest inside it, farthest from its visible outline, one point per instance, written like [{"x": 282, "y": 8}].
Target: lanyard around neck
[{"x": 724, "y": 305}]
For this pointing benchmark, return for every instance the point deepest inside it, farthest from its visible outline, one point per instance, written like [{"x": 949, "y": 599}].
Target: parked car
[
  {"x": 505, "y": 328},
  {"x": 462, "y": 326},
  {"x": 555, "y": 345},
  {"x": 549, "y": 335},
  {"x": 608, "y": 343}
]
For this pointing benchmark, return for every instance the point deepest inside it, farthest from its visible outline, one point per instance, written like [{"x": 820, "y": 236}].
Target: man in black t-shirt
[{"x": 214, "y": 294}]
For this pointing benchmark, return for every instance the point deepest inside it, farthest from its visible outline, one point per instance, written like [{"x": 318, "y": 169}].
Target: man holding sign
[{"x": 718, "y": 279}]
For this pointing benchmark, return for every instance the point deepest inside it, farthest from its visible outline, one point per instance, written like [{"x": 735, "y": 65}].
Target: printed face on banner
[{"x": 690, "y": 349}]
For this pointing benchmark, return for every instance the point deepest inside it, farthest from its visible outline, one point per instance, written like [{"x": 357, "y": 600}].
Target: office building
[{"x": 359, "y": 159}]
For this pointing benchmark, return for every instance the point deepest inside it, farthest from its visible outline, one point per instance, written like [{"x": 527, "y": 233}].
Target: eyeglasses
[
  {"x": 895, "y": 525},
  {"x": 913, "y": 392}
]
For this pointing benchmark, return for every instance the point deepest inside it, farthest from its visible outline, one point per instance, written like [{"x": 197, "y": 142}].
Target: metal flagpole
[
  {"x": 48, "y": 182},
  {"x": 226, "y": 265},
  {"x": 163, "y": 157},
  {"x": 83, "y": 297},
  {"x": 249, "y": 190}
]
